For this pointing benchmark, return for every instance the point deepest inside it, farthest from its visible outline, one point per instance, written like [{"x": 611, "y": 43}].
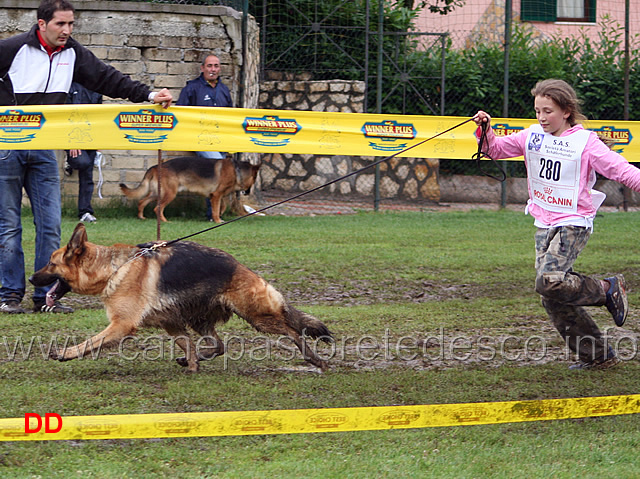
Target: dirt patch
[{"x": 529, "y": 341}]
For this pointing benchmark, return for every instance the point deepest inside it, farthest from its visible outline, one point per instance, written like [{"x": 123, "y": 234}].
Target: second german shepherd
[
  {"x": 214, "y": 179},
  {"x": 175, "y": 287}
]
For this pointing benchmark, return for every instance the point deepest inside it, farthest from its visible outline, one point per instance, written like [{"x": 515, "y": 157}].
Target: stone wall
[
  {"x": 159, "y": 44},
  {"x": 402, "y": 178}
]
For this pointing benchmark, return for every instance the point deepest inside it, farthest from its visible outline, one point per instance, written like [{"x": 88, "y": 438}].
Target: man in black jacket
[{"x": 37, "y": 68}]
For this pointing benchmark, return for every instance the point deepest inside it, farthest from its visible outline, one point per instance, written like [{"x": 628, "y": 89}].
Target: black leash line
[
  {"x": 479, "y": 155},
  {"x": 255, "y": 212}
]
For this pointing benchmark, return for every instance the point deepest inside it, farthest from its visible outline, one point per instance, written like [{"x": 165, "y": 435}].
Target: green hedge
[{"x": 475, "y": 77}]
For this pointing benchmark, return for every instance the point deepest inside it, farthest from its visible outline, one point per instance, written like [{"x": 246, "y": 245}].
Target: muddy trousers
[{"x": 564, "y": 292}]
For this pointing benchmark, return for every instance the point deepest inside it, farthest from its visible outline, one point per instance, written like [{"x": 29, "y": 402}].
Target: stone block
[
  {"x": 128, "y": 163},
  {"x": 124, "y": 54},
  {"x": 410, "y": 189},
  {"x": 160, "y": 54},
  {"x": 267, "y": 175},
  {"x": 324, "y": 166},
  {"x": 144, "y": 41},
  {"x": 284, "y": 86},
  {"x": 100, "y": 52},
  {"x": 156, "y": 67},
  {"x": 107, "y": 39},
  {"x": 277, "y": 102},
  {"x": 285, "y": 184},
  {"x": 364, "y": 184},
  {"x": 169, "y": 81},
  {"x": 185, "y": 69},
  {"x": 345, "y": 187},
  {"x": 430, "y": 190},
  {"x": 388, "y": 187},
  {"x": 297, "y": 169},
  {"x": 313, "y": 182},
  {"x": 128, "y": 68},
  {"x": 322, "y": 107},
  {"x": 278, "y": 162},
  {"x": 316, "y": 86}
]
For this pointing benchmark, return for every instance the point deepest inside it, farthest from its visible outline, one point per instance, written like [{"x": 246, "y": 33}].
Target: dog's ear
[{"x": 75, "y": 247}]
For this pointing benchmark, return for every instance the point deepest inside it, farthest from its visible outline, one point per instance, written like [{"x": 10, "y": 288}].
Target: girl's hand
[{"x": 482, "y": 117}]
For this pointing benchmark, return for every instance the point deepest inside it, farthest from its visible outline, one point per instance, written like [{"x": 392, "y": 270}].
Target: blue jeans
[
  {"x": 213, "y": 155},
  {"x": 84, "y": 164},
  {"x": 37, "y": 172}
]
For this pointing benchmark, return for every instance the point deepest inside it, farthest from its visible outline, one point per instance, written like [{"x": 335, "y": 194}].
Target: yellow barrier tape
[
  {"x": 182, "y": 128},
  {"x": 235, "y": 423}
]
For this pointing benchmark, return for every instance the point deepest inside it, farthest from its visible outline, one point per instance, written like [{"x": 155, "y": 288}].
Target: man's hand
[{"x": 164, "y": 97}]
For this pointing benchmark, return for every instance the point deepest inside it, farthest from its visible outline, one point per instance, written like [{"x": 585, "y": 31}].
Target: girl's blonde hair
[{"x": 562, "y": 95}]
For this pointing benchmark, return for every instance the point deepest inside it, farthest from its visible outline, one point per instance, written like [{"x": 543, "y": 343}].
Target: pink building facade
[{"x": 483, "y": 20}]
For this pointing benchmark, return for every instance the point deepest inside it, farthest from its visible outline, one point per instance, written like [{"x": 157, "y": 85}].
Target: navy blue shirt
[
  {"x": 198, "y": 92},
  {"x": 79, "y": 95}
]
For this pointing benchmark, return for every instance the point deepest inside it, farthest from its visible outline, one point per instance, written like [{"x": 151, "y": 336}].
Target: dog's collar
[{"x": 145, "y": 250}]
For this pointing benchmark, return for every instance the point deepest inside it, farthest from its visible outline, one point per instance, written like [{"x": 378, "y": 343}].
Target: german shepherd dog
[
  {"x": 175, "y": 287},
  {"x": 214, "y": 179}
]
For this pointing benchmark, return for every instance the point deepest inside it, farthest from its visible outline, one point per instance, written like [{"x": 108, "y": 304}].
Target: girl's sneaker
[{"x": 617, "y": 302}]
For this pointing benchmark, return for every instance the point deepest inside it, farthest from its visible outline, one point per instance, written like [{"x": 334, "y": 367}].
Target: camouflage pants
[{"x": 564, "y": 292}]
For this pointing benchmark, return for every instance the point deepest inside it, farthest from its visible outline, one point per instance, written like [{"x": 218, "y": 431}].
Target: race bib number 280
[{"x": 554, "y": 169}]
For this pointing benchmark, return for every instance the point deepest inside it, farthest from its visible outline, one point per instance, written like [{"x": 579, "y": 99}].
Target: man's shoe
[
  {"x": 608, "y": 361},
  {"x": 12, "y": 306},
  {"x": 57, "y": 307},
  {"x": 617, "y": 302},
  {"x": 88, "y": 218}
]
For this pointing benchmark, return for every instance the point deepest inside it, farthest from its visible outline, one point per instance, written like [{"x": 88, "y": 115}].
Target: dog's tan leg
[
  {"x": 159, "y": 210},
  {"x": 307, "y": 353},
  {"x": 276, "y": 325},
  {"x": 265, "y": 311},
  {"x": 182, "y": 339},
  {"x": 215, "y": 206},
  {"x": 212, "y": 346},
  {"x": 142, "y": 204},
  {"x": 111, "y": 335},
  {"x": 170, "y": 186}
]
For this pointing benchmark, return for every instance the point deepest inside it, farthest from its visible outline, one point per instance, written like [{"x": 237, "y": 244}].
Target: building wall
[{"x": 483, "y": 20}]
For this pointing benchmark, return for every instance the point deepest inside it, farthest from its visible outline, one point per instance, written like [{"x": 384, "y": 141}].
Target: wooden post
[{"x": 158, "y": 220}]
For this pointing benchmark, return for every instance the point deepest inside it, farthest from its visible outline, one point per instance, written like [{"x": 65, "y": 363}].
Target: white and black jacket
[{"x": 28, "y": 76}]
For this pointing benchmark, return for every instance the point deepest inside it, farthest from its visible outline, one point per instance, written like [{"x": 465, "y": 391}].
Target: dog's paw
[
  {"x": 57, "y": 356},
  {"x": 182, "y": 362},
  {"x": 185, "y": 364},
  {"x": 209, "y": 355}
]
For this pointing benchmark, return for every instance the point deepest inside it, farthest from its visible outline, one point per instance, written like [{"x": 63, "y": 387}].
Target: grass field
[{"x": 455, "y": 288}]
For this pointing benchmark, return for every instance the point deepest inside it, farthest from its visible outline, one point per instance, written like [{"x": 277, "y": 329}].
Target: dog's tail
[
  {"x": 143, "y": 188},
  {"x": 307, "y": 325}
]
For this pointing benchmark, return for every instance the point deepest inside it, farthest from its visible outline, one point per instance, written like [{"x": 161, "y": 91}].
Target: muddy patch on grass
[
  {"x": 529, "y": 340},
  {"x": 364, "y": 292}
]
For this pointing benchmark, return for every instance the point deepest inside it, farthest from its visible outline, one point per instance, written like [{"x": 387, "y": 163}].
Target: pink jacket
[{"x": 596, "y": 157}]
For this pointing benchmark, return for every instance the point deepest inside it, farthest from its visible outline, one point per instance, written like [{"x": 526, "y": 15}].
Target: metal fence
[{"x": 453, "y": 66}]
